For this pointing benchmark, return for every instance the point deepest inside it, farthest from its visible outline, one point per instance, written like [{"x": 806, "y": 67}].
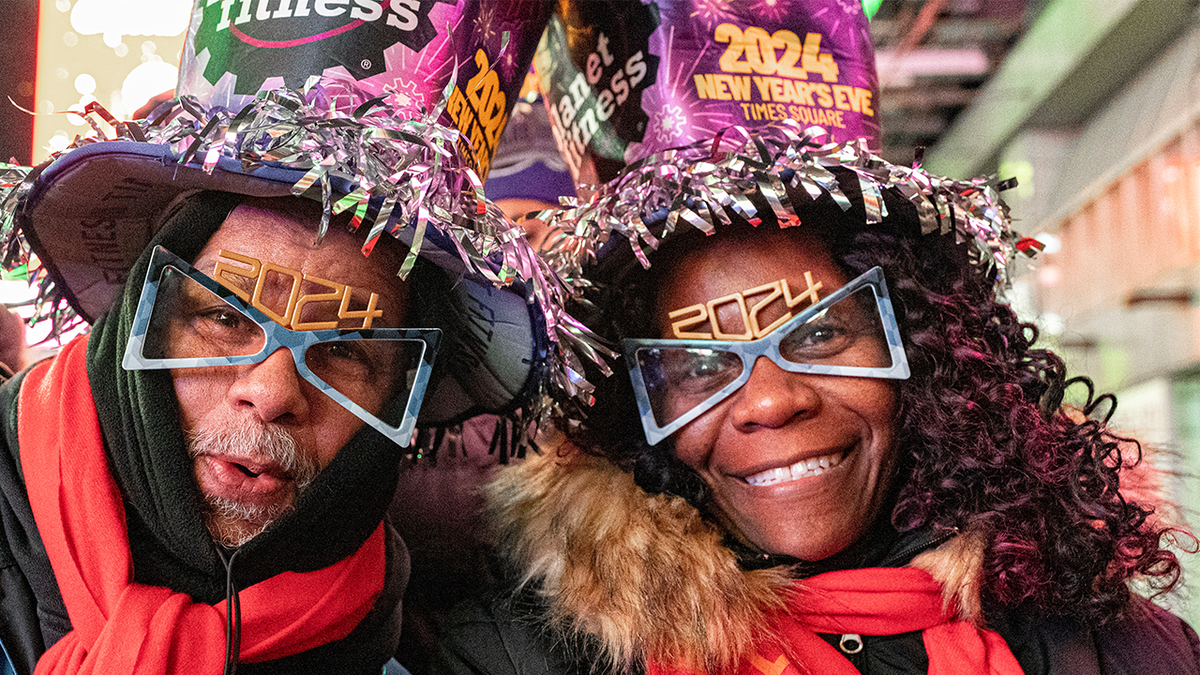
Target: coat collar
[{"x": 642, "y": 576}]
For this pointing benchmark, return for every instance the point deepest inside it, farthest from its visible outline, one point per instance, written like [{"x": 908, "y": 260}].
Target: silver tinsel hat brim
[
  {"x": 402, "y": 174},
  {"x": 695, "y": 185}
]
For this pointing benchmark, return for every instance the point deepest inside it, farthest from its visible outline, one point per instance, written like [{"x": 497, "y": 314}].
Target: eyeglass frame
[
  {"x": 278, "y": 337},
  {"x": 768, "y": 346}
]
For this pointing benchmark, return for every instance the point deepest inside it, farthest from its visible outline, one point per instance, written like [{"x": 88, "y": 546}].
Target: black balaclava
[{"x": 171, "y": 547}]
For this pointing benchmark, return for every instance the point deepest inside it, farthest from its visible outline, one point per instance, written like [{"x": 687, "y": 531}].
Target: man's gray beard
[{"x": 234, "y": 523}]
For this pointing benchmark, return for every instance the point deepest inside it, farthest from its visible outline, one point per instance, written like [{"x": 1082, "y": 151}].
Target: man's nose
[
  {"x": 772, "y": 397},
  {"x": 271, "y": 389}
]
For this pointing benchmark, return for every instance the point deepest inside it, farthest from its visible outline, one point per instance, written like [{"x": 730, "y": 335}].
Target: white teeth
[{"x": 805, "y": 468}]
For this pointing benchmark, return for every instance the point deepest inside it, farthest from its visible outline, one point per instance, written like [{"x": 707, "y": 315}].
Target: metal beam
[{"x": 1076, "y": 53}]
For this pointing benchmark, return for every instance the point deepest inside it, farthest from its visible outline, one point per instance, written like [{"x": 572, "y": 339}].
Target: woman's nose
[
  {"x": 272, "y": 389},
  {"x": 772, "y": 397}
]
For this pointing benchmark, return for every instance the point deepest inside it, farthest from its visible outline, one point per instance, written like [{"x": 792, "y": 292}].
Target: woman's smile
[{"x": 805, "y": 468}]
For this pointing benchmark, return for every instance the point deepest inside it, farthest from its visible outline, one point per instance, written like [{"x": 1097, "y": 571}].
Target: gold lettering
[
  {"x": 485, "y": 94},
  {"x": 792, "y": 49},
  {"x": 844, "y": 98},
  {"x": 813, "y": 61},
  {"x": 809, "y": 293},
  {"x": 701, "y": 315},
  {"x": 226, "y": 272},
  {"x": 731, "y": 61},
  {"x": 339, "y": 292},
  {"x": 234, "y": 278},
  {"x": 721, "y": 83},
  {"x": 776, "y": 290},
  {"x": 764, "y": 85},
  {"x": 706, "y": 86},
  {"x": 719, "y": 334},
  {"x": 284, "y": 319},
  {"x": 739, "y": 87},
  {"x": 366, "y": 315},
  {"x": 697, "y": 314},
  {"x": 824, "y": 99},
  {"x": 777, "y": 90},
  {"x": 864, "y": 101}
]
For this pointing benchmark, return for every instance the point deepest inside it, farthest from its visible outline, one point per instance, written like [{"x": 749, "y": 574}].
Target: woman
[{"x": 851, "y": 456}]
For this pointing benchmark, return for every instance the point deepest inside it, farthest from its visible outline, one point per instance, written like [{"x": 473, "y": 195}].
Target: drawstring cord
[{"x": 233, "y": 615}]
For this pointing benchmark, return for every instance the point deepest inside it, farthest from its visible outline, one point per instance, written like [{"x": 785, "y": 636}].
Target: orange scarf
[
  {"x": 119, "y": 626},
  {"x": 874, "y": 601}
]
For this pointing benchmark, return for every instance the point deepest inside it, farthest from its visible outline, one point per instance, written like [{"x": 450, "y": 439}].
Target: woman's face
[{"x": 799, "y": 464}]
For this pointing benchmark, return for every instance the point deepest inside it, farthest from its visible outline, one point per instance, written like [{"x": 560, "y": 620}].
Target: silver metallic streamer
[
  {"x": 415, "y": 166},
  {"x": 688, "y": 181}
]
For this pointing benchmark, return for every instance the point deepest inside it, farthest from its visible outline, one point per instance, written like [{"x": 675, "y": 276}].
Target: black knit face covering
[{"x": 140, "y": 422}]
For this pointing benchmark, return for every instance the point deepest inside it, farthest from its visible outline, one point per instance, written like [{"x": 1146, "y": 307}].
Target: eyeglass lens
[
  {"x": 848, "y": 333},
  {"x": 190, "y": 321}
]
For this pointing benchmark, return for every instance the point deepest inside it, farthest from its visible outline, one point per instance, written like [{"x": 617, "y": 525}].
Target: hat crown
[
  {"x": 626, "y": 80},
  {"x": 406, "y": 51}
]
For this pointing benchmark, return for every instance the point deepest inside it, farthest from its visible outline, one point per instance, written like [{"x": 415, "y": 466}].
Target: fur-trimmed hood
[{"x": 645, "y": 576}]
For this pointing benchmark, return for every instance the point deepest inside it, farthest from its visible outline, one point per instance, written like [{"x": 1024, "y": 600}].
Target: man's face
[{"x": 259, "y": 433}]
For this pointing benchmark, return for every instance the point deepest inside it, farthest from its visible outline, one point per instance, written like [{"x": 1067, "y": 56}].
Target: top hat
[
  {"x": 389, "y": 110},
  {"x": 624, "y": 80},
  {"x": 684, "y": 111}
]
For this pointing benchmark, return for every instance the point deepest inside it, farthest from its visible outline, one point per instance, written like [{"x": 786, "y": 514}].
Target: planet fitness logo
[
  {"x": 596, "y": 95},
  {"x": 292, "y": 39}
]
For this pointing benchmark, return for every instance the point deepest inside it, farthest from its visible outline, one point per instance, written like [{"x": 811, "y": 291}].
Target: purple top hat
[{"x": 625, "y": 80}]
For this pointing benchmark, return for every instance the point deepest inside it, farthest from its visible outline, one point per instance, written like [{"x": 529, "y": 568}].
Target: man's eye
[
  {"x": 350, "y": 361},
  {"x": 224, "y": 317},
  {"x": 226, "y": 324},
  {"x": 345, "y": 351}
]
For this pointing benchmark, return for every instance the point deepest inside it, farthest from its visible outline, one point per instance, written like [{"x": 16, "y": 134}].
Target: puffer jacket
[{"x": 605, "y": 575}]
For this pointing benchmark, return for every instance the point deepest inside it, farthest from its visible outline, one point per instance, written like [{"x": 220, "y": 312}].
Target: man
[
  {"x": 248, "y": 437},
  {"x": 200, "y": 482},
  {"x": 282, "y": 463},
  {"x": 259, "y": 434}
]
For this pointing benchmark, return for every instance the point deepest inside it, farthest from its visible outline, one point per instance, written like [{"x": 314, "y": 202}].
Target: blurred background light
[
  {"x": 87, "y": 51},
  {"x": 1051, "y": 243},
  {"x": 902, "y": 69}
]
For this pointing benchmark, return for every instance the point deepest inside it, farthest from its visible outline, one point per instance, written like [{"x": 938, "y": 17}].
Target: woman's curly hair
[{"x": 983, "y": 438}]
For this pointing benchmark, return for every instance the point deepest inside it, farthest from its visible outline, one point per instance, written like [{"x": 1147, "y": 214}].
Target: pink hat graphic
[{"x": 625, "y": 80}]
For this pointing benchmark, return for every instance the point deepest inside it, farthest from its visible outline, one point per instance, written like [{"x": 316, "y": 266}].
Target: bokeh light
[{"x": 83, "y": 55}]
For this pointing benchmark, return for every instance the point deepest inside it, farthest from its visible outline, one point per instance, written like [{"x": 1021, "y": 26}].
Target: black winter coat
[
  {"x": 505, "y": 636},
  {"x": 603, "y": 554}
]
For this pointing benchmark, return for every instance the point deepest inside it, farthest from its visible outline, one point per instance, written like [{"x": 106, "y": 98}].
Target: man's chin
[
  {"x": 249, "y": 475},
  {"x": 232, "y": 524}
]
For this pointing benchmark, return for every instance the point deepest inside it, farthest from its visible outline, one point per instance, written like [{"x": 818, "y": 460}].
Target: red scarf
[
  {"x": 875, "y": 601},
  {"x": 119, "y": 626}
]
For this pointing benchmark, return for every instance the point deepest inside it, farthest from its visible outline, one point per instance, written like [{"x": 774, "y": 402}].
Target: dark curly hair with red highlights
[{"x": 983, "y": 438}]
